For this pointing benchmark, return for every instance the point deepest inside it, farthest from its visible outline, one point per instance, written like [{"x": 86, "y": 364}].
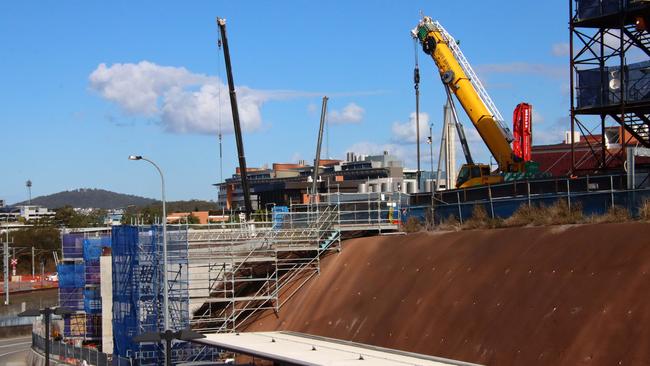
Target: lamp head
[
  {"x": 188, "y": 335},
  {"x": 30, "y": 312},
  {"x": 150, "y": 337},
  {"x": 63, "y": 311},
  {"x": 135, "y": 157}
]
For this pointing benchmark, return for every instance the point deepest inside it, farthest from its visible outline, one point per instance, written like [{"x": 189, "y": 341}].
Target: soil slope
[{"x": 563, "y": 295}]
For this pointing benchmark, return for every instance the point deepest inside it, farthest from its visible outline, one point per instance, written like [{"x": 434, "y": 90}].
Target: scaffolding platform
[{"x": 239, "y": 269}]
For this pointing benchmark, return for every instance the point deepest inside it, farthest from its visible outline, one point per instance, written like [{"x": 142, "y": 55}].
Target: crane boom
[
  {"x": 463, "y": 82},
  {"x": 248, "y": 208}
]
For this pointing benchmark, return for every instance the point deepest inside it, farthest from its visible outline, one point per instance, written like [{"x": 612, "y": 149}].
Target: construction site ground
[{"x": 555, "y": 295}]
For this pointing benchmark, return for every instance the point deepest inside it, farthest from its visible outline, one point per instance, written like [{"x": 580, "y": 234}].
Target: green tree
[
  {"x": 193, "y": 220},
  {"x": 147, "y": 215},
  {"x": 39, "y": 237}
]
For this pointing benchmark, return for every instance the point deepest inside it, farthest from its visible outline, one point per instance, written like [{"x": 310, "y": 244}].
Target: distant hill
[{"x": 90, "y": 198}]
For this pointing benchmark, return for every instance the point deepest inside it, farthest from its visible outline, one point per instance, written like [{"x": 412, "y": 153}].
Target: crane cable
[{"x": 416, "y": 85}]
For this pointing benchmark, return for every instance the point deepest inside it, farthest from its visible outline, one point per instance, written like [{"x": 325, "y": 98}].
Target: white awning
[{"x": 304, "y": 349}]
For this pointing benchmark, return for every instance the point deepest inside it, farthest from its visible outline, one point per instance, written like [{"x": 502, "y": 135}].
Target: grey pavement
[{"x": 13, "y": 351}]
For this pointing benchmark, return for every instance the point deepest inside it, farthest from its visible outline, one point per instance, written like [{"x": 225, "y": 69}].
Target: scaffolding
[
  {"x": 239, "y": 269},
  {"x": 138, "y": 289},
  {"x": 609, "y": 58},
  {"x": 79, "y": 283},
  {"x": 224, "y": 274}
]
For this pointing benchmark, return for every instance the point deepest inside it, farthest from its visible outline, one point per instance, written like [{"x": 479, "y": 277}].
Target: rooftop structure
[
  {"x": 290, "y": 183},
  {"x": 557, "y": 158},
  {"x": 26, "y": 212}
]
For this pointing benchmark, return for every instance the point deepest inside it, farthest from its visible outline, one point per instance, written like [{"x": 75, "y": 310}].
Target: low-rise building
[
  {"x": 556, "y": 158},
  {"x": 114, "y": 217},
  {"x": 25, "y": 212},
  {"x": 284, "y": 184},
  {"x": 182, "y": 217}
]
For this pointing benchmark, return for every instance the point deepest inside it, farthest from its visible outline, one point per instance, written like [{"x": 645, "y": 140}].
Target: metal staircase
[
  {"x": 248, "y": 269},
  {"x": 636, "y": 124}
]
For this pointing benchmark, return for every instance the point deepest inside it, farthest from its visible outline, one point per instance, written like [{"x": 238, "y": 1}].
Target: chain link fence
[{"x": 72, "y": 354}]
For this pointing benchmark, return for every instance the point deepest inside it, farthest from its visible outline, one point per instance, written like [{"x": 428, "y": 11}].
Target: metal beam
[{"x": 323, "y": 113}]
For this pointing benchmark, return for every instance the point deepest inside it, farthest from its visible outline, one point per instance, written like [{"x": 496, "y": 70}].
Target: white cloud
[
  {"x": 537, "y": 117},
  {"x": 560, "y": 49},
  {"x": 137, "y": 88},
  {"x": 183, "y": 101},
  {"x": 351, "y": 113},
  {"x": 405, "y": 132},
  {"x": 312, "y": 107}
]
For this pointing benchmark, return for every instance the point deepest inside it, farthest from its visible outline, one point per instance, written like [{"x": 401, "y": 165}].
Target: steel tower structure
[{"x": 609, "y": 48}]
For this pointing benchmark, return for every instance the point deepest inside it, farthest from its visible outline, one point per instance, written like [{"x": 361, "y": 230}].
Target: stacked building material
[{"x": 79, "y": 284}]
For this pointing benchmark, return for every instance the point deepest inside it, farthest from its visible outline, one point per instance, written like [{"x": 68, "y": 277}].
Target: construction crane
[
  {"x": 460, "y": 80},
  {"x": 248, "y": 208}
]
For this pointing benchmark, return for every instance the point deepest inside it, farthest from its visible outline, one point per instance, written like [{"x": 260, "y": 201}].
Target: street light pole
[
  {"x": 28, "y": 184},
  {"x": 168, "y": 336},
  {"x": 47, "y": 318},
  {"x": 164, "y": 225},
  {"x": 431, "y": 146}
]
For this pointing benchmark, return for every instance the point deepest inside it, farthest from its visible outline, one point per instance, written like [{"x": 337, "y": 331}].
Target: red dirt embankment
[{"x": 576, "y": 295}]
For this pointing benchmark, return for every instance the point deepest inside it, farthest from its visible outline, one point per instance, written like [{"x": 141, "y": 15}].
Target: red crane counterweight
[{"x": 522, "y": 130}]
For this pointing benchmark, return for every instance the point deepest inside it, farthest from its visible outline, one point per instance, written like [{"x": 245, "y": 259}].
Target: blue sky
[{"x": 84, "y": 84}]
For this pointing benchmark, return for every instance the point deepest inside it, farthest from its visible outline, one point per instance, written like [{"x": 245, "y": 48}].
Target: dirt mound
[{"x": 569, "y": 295}]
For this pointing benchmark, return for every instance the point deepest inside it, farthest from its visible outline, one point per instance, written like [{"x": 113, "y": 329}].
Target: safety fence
[
  {"x": 28, "y": 285},
  {"x": 372, "y": 211},
  {"x": 76, "y": 355},
  {"x": 594, "y": 195}
]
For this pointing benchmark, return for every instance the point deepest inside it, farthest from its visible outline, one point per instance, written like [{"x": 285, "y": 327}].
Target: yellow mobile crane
[{"x": 460, "y": 80}]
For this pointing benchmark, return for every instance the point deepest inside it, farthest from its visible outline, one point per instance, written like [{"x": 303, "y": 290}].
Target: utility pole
[
  {"x": 443, "y": 144},
  {"x": 13, "y": 262},
  {"x": 323, "y": 112},
  {"x": 235, "y": 120},
  {"x": 32, "y": 262},
  {"x": 5, "y": 250},
  {"x": 430, "y": 142}
]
